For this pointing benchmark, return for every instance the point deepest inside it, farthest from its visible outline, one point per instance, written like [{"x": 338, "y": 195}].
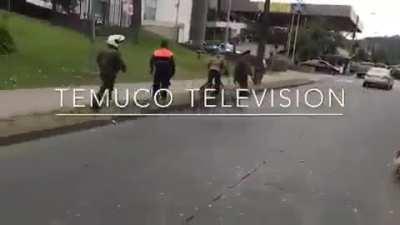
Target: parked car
[
  {"x": 321, "y": 66},
  {"x": 219, "y": 48},
  {"x": 379, "y": 78},
  {"x": 211, "y": 48},
  {"x": 395, "y": 72}
]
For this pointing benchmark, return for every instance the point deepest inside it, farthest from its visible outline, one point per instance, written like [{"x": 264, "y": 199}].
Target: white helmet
[{"x": 115, "y": 40}]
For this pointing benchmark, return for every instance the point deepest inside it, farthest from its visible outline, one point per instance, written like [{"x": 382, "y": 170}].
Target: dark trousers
[
  {"x": 108, "y": 81},
  {"x": 214, "y": 77},
  {"x": 108, "y": 84},
  {"x": 161, "y": 81},
  {"x": 243, "y": 82}
]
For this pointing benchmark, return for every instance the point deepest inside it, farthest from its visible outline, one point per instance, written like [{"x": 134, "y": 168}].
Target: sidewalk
[
  {"x": 30, "y": 113},
  {"x": 38, "y": 101}
]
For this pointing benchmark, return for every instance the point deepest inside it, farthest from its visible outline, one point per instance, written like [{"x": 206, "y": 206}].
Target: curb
[{"x": 61, "y": 129}]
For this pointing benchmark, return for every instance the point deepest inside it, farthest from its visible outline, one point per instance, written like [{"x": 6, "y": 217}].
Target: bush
[
  {"x": 7, "y": 44},
  {"x": 279, "y": 63}
]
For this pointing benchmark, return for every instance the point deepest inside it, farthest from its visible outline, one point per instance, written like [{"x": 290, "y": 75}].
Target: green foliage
[
  {"x": 52, "y": 56},
  {"x": 361, "y": 55},
  {"x": 379, "y": 55},
  {"x": 7, "y": 44},
  {"x": 384, "y": 49},
  {"x": 315, "y": 41}
]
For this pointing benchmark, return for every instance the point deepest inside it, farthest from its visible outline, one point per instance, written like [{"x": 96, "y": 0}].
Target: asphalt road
[{"x": 158, "y": 171}]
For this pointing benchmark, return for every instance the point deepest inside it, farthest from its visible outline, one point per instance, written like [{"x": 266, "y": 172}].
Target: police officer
[
  {"x": 243, "y": 70},
  {"x": 110, "y": 63},
  {"x": 162, "y": 67}
]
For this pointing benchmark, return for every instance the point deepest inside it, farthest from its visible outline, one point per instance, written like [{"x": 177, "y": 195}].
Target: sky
[{"x": 379, "y": 17}]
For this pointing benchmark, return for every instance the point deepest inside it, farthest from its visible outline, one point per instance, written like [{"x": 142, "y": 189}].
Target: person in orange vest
[{"x": 162, "y": 67}]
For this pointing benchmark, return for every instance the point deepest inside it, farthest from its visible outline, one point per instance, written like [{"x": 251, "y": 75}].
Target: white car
[{"x": 378, "y": 77}]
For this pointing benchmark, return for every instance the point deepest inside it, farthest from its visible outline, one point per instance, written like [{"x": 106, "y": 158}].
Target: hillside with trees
[{"x": 382, "y": 49}]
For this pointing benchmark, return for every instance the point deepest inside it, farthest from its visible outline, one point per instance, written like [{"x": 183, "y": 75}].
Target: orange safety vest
[{"x": 163, "y": 53}]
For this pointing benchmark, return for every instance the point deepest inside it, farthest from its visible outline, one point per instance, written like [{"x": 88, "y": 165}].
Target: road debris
[
  {"x": 190, "y": 218},
  {"x": 218, "y": 197},
  {"x": 221, "y": 195}
]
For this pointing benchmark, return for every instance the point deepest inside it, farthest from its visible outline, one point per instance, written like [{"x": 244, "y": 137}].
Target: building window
[{"x": 150, "y": 9}]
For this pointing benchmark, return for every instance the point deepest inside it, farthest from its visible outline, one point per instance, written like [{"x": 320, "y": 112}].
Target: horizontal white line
[{"x": 203, "y": 115}]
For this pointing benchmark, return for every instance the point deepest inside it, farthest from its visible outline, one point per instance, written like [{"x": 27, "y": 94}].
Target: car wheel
[{"x": 365, "y": 84}]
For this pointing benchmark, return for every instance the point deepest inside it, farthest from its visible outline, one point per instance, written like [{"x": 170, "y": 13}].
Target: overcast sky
[{"x": 380, "y": 17}]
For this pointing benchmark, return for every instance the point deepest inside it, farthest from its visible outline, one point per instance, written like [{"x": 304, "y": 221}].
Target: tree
[
  {"x": 379, "y": 55},
  {"x": 315, "y": 41},
  {"x": 361, "y": 55},
  {"x": 199, "y": 22}
]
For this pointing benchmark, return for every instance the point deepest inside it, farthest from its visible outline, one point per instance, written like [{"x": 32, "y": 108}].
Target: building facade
[{"x": 170, "y": 18}]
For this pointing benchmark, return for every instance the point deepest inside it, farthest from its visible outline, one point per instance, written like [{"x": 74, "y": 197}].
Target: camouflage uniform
[
  {"x": 242, "y": 71},
  {"x": 216, "y": 67},
  {"x": 110, "y": 63}
]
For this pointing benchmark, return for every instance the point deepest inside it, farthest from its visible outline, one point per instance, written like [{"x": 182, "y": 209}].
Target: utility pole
[
  {"x": 296, "y": 36},
  {"x": 299, "y": 9},
  {"x": 263, "y": 30},
  {"x": 228, "y": 23},
  {"x": 178, "y": 4},
  {"x": 92, "y": 32},
  {"x": 289, "y": 43}
]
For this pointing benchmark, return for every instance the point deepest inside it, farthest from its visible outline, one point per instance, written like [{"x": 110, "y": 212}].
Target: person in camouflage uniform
[
  {"x": 216, "y": 67},
  {"x": 110, "y": 63},
  {"x": 243, "y": 70}
]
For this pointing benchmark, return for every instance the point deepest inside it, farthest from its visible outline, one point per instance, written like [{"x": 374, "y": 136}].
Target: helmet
[{"x": 115, "y": 40}]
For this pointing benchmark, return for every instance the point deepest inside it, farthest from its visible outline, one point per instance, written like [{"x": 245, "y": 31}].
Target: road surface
[{"x": 159, "y": 171}]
